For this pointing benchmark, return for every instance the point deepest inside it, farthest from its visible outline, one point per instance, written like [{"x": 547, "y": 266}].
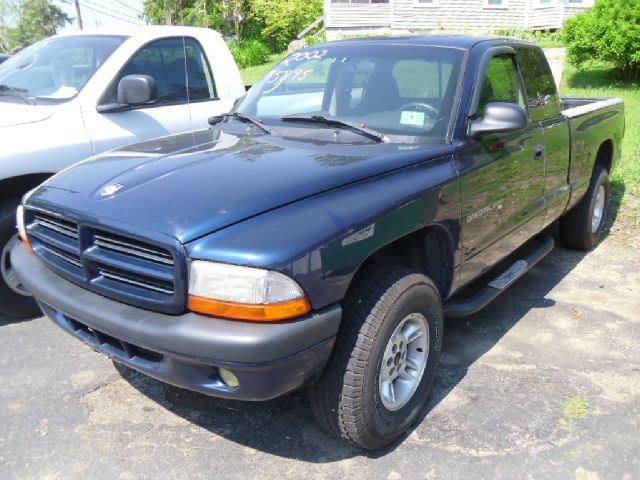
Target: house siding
[
  {"x": 457, "y": 16},
  {"x": 545, "y": 17},
  {"x": 461, "y": 16},
  {"x": 570, "y": 11},
  {"x": 357, "y": 14}
]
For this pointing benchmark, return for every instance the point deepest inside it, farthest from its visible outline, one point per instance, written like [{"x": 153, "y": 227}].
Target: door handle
[{"x": 538, "y": 152}]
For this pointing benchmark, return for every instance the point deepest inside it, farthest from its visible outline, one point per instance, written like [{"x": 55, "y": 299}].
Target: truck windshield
[
  {"x": 56, "y": 68},
  {"x": 401, "y": 90}
]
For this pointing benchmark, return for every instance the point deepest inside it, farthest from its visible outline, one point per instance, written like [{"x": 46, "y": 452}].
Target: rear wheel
[
  {"x": 583, "y": 226},
  {"x": 15, "y": 300},
  {"x": 385, "y": 357}
]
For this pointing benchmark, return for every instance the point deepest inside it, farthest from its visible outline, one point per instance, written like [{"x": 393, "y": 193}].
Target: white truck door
[
  {"x": 204, "y": 94},
  {"x": 164, "y": 60}
]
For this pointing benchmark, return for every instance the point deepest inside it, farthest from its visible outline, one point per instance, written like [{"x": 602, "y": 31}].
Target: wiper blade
[
  {"x": 242, "y": 117},
  {"x": 332, "y": 122},
  {"x": 17, "y": 92}
]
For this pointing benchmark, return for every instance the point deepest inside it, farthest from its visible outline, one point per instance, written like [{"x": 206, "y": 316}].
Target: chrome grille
[
  {"x": 60, "y": 225},
  {"x": 136, "y": 280},
  {"x": 111, "y": 264},
  {"x": 61, "y": 254},
  {"x": 131, "y": 247}
]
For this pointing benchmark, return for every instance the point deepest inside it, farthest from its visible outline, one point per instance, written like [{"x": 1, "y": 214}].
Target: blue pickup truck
[{"x": 318, "y": 234}]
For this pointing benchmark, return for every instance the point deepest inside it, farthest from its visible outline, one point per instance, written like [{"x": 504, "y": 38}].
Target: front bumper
[{"x": 187, "y": 350}]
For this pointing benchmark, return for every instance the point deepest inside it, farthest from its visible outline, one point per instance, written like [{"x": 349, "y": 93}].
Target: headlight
[
  {"x": 244, "y": 293},
  {"x": 22, "y": 231}
]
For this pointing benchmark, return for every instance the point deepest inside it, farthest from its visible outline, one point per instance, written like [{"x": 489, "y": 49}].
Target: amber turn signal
[
  {"x": 253, "y": 313},
  {"x": 22, "y": 231}
]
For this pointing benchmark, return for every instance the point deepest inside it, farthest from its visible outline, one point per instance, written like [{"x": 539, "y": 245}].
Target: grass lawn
[
  {"x": 251, "y": 75},
  {"x": 601, "y": 82}
]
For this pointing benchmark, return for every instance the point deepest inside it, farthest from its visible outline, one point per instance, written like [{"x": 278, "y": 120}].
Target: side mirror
[
  {"x": 499, "y": 118},
  {"x": 132, "y": 90},
  {"x": 137, "y": 90}
]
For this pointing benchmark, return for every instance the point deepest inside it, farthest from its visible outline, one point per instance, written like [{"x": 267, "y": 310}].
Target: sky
[{"x": 103, "y": 13}]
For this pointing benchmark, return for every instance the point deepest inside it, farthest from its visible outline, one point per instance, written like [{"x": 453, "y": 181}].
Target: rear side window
[
  {"x": 539, "y": 84},
  {"x": 501, "y": 83}
]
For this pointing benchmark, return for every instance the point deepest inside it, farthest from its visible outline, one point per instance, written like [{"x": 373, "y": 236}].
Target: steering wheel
[{"x": 426, "y": 108}]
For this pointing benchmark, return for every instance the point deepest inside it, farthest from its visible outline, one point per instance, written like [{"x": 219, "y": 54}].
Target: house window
[
  {"x": 496, "y": 4},
  {"x": 545, "y": 3},
  {"x": 427, "y": 3}
]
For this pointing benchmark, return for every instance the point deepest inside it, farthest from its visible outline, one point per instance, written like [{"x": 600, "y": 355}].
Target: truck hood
[
  {"x": 195, "y": 183},
  {"x": 12, "y": 114}
]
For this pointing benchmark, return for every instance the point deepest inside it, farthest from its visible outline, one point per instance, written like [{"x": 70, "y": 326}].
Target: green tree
[
  {"x": 226, "y": 16},
  {"x": 284, "y": 19},
  {"x": 8, "y": 14},
  {"x": 609, "y": 32},
  {"x": 37, "y": 19}
]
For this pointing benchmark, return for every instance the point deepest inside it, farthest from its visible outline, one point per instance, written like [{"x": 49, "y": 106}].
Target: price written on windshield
[{"x": 278, "y": 77}]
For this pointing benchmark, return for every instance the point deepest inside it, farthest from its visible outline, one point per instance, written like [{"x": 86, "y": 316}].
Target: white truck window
[
  {"x": 199, "y": 77},
  {"x": 57, "y": 68}
]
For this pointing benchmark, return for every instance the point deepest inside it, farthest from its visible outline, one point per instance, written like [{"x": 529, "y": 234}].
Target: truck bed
[
  {"x": 595, "y": 124},
  {"x": 576, "y": 106}
]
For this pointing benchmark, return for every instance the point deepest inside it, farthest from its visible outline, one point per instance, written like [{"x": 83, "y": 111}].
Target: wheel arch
[
  {"x": 17, "y": 186},
  {"x": 604, "y": 157},
  {"x": 429, "y": 250}
]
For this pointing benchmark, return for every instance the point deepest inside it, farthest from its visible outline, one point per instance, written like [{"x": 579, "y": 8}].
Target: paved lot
[{"x": 544, "y": 383}]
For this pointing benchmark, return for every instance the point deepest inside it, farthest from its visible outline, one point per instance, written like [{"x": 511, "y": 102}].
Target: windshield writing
[{"x": 401, "y": 90}]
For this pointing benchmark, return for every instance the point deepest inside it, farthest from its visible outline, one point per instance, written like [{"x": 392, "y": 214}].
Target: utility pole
[{"x": 77, "y": 2}]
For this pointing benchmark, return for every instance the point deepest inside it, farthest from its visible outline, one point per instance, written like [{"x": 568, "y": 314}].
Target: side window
[
  {"x": 200, "y": 84},
  {"x": 539, "y": 84},
  {"x": 501, "y": 83},
  {"x": 164, "y": 60}
]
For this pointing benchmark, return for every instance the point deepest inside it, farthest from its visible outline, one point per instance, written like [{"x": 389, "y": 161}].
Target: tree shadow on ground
[
  {"x": 601, "y": 77},
  {"x": 285, "y": 426}
]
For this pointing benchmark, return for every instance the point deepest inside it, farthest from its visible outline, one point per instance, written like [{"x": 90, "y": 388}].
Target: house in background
[{"x": 345, "y": 18}]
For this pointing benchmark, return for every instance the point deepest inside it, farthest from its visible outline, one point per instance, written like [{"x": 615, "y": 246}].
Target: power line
[
  {"x": 113, "y": 10},
  {"x": 129, "y": 6},
  {"x": 110, "y": 15}
]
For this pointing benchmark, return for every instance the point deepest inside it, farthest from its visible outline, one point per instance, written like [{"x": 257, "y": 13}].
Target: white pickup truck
[{"x": 76, "y": 95}]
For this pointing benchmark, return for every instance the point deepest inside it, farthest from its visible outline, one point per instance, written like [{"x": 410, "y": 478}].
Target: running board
[{"x": 464, "y": 307}]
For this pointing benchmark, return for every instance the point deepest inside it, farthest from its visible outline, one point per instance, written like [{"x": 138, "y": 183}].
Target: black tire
[
  {"x": 576, "y": 225},
  {"x": 347, "y": 400},
  {"x": 13, "y": 304}
]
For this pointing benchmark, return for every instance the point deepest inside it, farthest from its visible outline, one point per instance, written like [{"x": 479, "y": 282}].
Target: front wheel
[
  {"x": 385, "y": 358},
  {"x": 583, "y": 226},
  {"x": 15, "y": 300}
]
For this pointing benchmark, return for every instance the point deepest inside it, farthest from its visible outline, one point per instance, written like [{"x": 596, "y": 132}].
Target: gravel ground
[{"x": 544, "y": 383}]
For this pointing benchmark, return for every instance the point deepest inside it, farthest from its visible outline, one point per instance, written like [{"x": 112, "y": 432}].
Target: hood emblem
[{"x": 110, "y": 189}]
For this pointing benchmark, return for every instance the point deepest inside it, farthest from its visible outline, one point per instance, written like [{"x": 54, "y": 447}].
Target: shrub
[
  {"x": 316, "y": 39},
  {"x": 609, "y": 32},
  {"x": 284, "y": 19},
  {"x": 248, "y": 53}
]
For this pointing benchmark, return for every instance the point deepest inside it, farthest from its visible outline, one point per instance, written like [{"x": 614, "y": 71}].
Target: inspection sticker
[{"x": 412, "y": 118}]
